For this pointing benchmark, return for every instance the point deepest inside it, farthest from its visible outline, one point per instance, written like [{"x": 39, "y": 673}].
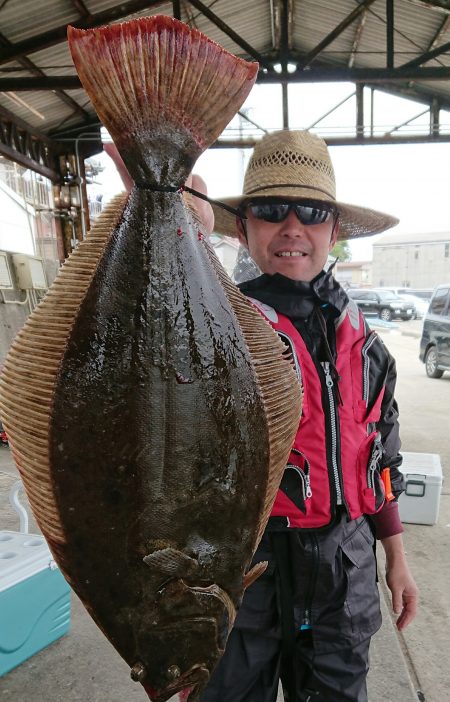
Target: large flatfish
[{"x": 149, "y": 406}]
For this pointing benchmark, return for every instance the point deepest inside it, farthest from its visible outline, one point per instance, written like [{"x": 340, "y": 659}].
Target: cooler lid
[
  {"x": 21, "y": 556},
  {"x": 422, "y": 466}
]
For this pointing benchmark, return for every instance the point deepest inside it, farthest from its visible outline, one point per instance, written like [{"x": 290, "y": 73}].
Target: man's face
[{"x": 297, "y": 251}]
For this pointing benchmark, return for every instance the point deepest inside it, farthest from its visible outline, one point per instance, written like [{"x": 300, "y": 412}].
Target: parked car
[
  {"x": 420, "y": 305},
  {"x": 435, "y": 341},
  {"x": 382, "y": 303},
  {"x": 423, "y": 293}
]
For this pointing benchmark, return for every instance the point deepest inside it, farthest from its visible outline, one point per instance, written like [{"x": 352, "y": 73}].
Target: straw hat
[{"x": 293, "y": 165}]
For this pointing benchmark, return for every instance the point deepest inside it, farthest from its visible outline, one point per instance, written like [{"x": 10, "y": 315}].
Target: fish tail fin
[{"x": 164, "y": 91}]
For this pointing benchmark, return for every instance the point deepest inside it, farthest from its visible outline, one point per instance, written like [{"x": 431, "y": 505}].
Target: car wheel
[
  {"x": 431, "y": 364},
  {"x": 386, "y": 314}
]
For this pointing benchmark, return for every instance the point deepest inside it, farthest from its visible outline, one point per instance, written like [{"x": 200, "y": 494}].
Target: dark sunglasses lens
[
  {"x": 308, "y": 214},
  {"x": 270, "y": 212}
]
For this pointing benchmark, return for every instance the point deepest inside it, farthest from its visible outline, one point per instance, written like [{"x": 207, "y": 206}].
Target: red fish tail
[{"x": 164, "y": 91}]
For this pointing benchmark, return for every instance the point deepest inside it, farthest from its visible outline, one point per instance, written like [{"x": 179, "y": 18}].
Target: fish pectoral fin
[
  {"x": 254, "y": 573},
  {"x": 172, "y": 562}
]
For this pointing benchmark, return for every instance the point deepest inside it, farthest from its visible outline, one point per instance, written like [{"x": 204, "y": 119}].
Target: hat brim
[{"x": 355, "y": 222}]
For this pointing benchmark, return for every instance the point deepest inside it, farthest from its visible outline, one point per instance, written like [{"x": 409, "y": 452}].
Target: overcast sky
[{"x": 411, "y": 182}]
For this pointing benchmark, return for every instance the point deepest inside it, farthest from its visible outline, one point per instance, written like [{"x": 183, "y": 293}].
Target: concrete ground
[{"x": 83, "y": 667}]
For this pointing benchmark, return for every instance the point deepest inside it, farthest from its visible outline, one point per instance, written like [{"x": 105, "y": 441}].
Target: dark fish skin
[
  {"x": 150, "y": 408},
  {"x": 158, "y": 445}
]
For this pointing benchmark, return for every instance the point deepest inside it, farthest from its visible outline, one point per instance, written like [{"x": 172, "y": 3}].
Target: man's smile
[{"x": 290, "y": 253}]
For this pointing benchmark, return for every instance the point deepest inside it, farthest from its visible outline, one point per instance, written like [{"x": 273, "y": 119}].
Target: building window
[
  {"x": 416, "y": 254},
  {"x": 446, "y": 250}
]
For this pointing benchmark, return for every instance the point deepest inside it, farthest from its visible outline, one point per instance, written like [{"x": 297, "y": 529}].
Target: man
[{"x": 309, "y": 619}]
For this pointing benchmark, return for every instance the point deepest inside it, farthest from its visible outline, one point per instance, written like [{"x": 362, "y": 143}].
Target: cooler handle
[
  {"x": 415, "y": 492},
  {"x": 18, "y": 507}
]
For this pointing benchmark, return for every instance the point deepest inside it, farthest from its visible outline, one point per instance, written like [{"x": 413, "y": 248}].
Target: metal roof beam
[
  {"x": 58, "y": 35},
  {"x": 231, "y": 33},
  {"x": 20, "y": 143},
  {"x": 427, "y": 56},
  {"x": 357, "y": 38},
  {"x": 314, "y": 75},
  {"x": 306, "y": 60},
  {"x": 344, "y": 141},
  {"x": 81, "y": 8},
  {"x": 30, "y": 66},
  {"x": 357, "y": 75},
  {"x": 330, "y": 112},
  {"x": 440, "y": 33},
  {"x": 441, "y": 6}
]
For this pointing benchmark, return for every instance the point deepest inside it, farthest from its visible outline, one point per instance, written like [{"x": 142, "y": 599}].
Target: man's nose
[{"x": 292, "y": 225}]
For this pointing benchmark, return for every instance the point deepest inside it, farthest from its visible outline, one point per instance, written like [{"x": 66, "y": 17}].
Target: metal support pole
[
  {"x": 284, "y": 54},
  {"x": 285, "y": 97},
  {"x": 435, "y": 118},
  {"x": 176, "y": 4},
  {"x": 372, "y": 107},
  {"x": 360, "y": 110},
  {"x": 389, "y": 33}
]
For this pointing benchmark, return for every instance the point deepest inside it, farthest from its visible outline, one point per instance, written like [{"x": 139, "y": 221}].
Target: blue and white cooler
[{"x": 34, "y": 597}]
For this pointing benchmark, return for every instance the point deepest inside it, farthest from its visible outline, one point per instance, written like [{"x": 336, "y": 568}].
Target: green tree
[{"x": 342, "y": 251}]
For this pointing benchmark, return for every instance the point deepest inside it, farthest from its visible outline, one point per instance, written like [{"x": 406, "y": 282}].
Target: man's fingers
[
  {"x": 409, "y": 611},
  {"x": 397, "y": 602}
]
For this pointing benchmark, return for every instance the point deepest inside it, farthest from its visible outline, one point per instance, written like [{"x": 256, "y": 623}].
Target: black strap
[
  {"x": 280, "y": 545},
  {"x": 185, "y": 188}
]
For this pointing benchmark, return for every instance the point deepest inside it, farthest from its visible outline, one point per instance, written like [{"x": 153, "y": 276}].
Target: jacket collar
[{"x": 295, "y": 298}]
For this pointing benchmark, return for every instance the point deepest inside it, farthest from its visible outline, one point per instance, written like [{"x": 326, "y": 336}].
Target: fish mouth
[{"x": 189, "y": 685}]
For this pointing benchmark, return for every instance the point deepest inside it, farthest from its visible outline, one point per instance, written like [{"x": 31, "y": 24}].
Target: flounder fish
[{"x": 150, "y": 408}]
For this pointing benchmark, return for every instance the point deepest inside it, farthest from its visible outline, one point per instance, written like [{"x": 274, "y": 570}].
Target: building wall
[
  {"x": 16, "y": 223},
  {"x": 415, "y": 265},
  {"x": 12, "y": 319},
  {"x": 359, "y": 274}
]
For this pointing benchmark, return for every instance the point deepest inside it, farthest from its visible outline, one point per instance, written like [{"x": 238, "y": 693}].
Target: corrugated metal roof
[{"x": 416, "y": 27}]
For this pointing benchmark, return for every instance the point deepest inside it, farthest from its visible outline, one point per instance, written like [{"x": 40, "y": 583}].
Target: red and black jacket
[{"x": 349, "y": 430}]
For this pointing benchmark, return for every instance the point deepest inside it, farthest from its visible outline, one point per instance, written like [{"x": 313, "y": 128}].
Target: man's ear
[
  {"x": 241, "y": 232},
  {"x": 334, "y": 234}
]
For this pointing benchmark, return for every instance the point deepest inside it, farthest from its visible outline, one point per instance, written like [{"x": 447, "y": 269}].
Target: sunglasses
[{"x": 308, "y": 212}]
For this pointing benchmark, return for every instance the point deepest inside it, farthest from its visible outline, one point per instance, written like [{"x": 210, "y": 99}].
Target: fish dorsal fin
[
  {"x": 254, "y": 573},
  {"x": 29, "y": 372},
  {"x": 154, "y": 114}
]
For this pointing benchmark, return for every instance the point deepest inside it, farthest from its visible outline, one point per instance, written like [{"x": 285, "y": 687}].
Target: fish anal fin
[
  {"x": 254, "y": 573},
  {"x": 172, "y": 562}
]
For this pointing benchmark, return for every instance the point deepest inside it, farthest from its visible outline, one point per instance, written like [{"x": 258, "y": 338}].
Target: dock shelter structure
[{"x": 48, "y": 125}]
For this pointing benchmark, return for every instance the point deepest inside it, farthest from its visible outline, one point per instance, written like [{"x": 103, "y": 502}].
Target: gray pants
[
  {"x": 251, "y": 668},
  {"x": 330, "y": 574}
]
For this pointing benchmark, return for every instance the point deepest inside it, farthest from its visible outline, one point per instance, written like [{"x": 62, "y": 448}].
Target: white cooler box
[{"x": 419, "y": 504}]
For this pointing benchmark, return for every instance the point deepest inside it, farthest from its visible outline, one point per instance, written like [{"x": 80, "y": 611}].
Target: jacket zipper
[
  {"x": 366, "y": 366},
  {"x": 374, "y": 461},
  {"x": 334, "y": 431},
  {"x": 305, "y": 473},
  {"x": 307, "y": 618}
]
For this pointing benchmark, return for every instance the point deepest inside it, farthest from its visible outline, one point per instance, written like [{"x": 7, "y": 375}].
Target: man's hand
[
  {"x": 202, "y": 207},
  {"x": 111, "y": 150},
  {"x": 404, "y": 591}
]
